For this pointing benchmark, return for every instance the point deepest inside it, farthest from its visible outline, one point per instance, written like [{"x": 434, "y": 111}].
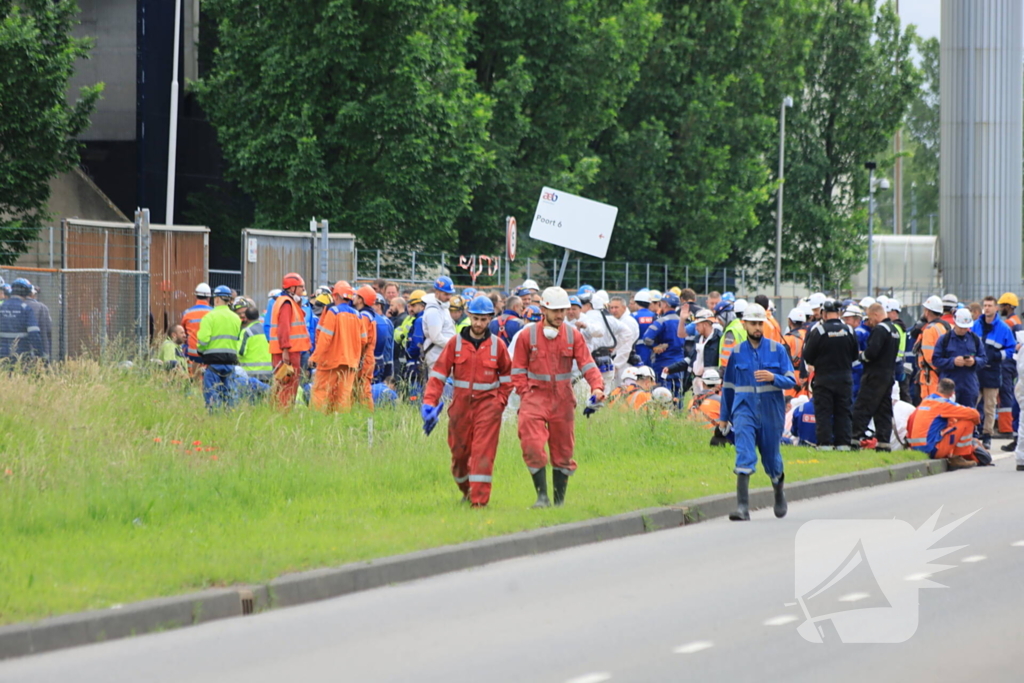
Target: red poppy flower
[
  {"x": 213, "y": 457},
  {"x": 197, "y": 443},
  {"x": 157, "y": 440},
  {"x": 8, "y": 472},
  {"x": 176, "y": 442}
]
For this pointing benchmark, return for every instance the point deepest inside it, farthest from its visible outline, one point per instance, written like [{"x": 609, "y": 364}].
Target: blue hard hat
[
  {"x": 730, "y": 297},
  {"x": 222, "y": 290},
  {"x": 575, "y": 301},
  {"x": 481, "y": 306},
  {"x": 723, "y": 306},
  {"x": 468, "y": 293},
  {"x": 533, "y": 314},
  {"x": 585, "y": 292},
  {"x": 521, "y": 291},
  {"x": 444, "y": 284},
  {"x": 671, "y": 299},
  {"x": 7, "y": 289},
  {"x": 21, "y": 285}
]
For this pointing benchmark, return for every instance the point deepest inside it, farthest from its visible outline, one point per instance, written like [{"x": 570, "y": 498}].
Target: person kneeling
[{"x": 943, "y": 429}]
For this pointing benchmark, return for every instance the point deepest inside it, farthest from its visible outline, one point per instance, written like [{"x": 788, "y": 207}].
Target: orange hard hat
[
  {"x": 292, "y": 280},
  {"x": 343, "y": 290},
  {"x": 369, "y": 296}
]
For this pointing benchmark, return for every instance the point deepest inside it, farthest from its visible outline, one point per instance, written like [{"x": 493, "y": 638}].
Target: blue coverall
[
  {"x": 757, "y": 410},
  {"x": 664, "y": 330},
  {"x": 966, "y": 378},
  {"x": 384, "y": 351},
  {"x": 804, "y": 426},
  {"x": 644, "y": 318},
  {"x": 19, "y": 329},
  {"x": 862, "y": 333}
]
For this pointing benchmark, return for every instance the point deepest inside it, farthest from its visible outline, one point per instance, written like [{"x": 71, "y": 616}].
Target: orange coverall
[
  {"x": 483, "y": 382},
  {"x": 364, "y": 382},
  {"x": 341, "y": 337},
  {"x": 542, "y": 376},
  {"x": 288, "y": 332},
  {"x": 954, "y": 433},
  {"x": 929, "y": 376}
]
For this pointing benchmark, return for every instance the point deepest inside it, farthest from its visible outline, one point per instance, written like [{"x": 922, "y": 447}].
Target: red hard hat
[
  {"x": 369, "y": 296},
  {"x": 343, "y": 290},
  {"x": 292, "y": 280}
]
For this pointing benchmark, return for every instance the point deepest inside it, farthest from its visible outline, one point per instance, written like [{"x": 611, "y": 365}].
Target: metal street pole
[
  {"x": 786, "y": 102},
  {"x": 172, "y": 138},
  {"x": 871, "y": 215}
]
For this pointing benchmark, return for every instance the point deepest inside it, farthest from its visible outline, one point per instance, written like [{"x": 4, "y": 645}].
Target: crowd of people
[{"x": 835, "y": 375}]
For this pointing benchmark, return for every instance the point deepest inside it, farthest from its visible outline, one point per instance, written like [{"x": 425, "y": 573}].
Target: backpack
[
  {"x": 917, "y": 343},
  {"x": 502, "y": 333},
  {"x": 944, "y": 343}
]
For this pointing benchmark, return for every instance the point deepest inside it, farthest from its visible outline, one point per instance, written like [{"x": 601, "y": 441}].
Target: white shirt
[
  {"x": 627, "y": 338},
  {"x": 438, "y": 328}
]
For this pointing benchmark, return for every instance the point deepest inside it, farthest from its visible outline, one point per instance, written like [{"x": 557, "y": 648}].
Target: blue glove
[
  {"x": 430, "y": 415},
  {"x": 593, "y": 405}
]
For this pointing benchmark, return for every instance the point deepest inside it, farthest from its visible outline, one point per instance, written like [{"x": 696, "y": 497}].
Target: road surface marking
[
  {"x": 854, "y": 597},
  {"x": 695, "y": 646},
  {"x": 591, "y": 678},
  {"x": 974, "y": 558},
  {"x": 1018, "y": 544},
  {"x": 918, "y": 577},
  {"x": 780, "y": 620}
]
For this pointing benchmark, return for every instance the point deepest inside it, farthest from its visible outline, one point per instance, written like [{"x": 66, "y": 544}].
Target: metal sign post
[{"x": 511, "y": 244}]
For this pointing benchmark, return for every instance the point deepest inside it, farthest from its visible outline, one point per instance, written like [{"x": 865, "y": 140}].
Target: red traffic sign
[{"x": 511, "y": 237}]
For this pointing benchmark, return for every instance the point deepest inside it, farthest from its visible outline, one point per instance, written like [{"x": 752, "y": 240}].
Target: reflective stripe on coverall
[
  {"x": 364, "y": 382},
  {"x": 190, "y": 321},
  {"x": 941, "y": 428},
  {"x": 542, "y": 376},
  {"x": 757, "y": 410},
  {"x": 342, "y": 336},
  {"x": 483, "y": 382}
]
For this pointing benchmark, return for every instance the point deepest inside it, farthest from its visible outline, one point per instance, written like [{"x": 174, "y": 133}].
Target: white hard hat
[
  {"x": 645, "y": 371},
  {"x": 949, "y": 300},
  {"x": 805, "y": 306},
  {"x": 739, "y": 306},
  {"x": 703, "y": 316},
  {"x": 203, "y": 289},
  {"x": 893, "y": 305},
  {"x": 771, "y": 305},
  {"x": 599, "y": 300},
  {"x": 933, "y": 304},
  {"x": 629, "y": 374},
  {"x": 654, "y": 296},
  {"x": 866, "y": 301},
  {"x": 853, "y": 310},
  {"x": 754, "y": 313},
  {"x": 662, "y": 395},
  {"x": 964, "y": 319},
  {"x": 530, "y": 284},
  {"x": 711, "y": 377},
  {"x": 797, "y": 315},
  {"x": 817, "y": 299},
  {"x": 554, "y": 298},
  {"x": 643, "y": 296}
]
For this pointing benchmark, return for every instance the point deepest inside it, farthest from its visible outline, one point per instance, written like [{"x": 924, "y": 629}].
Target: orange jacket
[
  {"x": 932, "y": 417},
  {"x": 370, "y": 329},
  {"x": 190, "y": 321},
  {"x": 929, "y": 337},
  {"x": 299, "y": 337},
  {"x": 341, "y": 337},
  {"x": 477, "y": 373},
  {"x": 794, "y": 341},
  {"x": 638, "y": 399},
  {"x": 772, "y": 329},
  {"x": 706, "y": 410}
]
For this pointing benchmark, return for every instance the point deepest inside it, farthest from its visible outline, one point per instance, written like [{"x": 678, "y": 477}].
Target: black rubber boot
[
  {"x": 781, "y": 507},
  {"x": 1010, "y": 447},
  {"x": 742, "y": 513},
  {"x": 540, "y": 482},
  {"x": 561, "y": 481}
]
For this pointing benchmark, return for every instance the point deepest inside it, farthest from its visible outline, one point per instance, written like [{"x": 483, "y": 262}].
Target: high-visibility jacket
[
  {"x": 794, "y": 341},
  {"x": 477, "y": 372},
  {"x": 298, "y": 334},
  {"x": 190, "y": 321},
  {"x": 403, "y": 330},
  {"x": 772, "y": 329},
  {"x": 218, "y": 336},
  {"x": 932, "y": 417},
  {"x": 462, "y": 324},
  {"x": 706, "y": 409},
  {"x": 622, "y": 392},
  {"x": 254, "y": 351},
  {"x": 929, "y": 374},
  {"x": 342, "y": 338},
  {"x": 369, "y": 343},
  {"x": 638, "y": 399},
  {"x": 734, "y": 335}
]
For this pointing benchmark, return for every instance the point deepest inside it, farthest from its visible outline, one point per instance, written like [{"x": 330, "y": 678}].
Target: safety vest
[
  {"x": 219, "y": 332},
  {"x": 707, "y": 409},
  {"x": 190, "y": 321},
  {"x": 254, "y": 352},
  {"x": 299, "y": 334},
  {"x": 739, "y": 335},
  {"x": 462, "y": 324},
  {"x": 403, "y": 330}
]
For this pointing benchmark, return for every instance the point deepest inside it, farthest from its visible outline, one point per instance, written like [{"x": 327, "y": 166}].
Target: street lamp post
[
  {"x": 872, "y": 184},
  {"x": 786, "y": 102}
]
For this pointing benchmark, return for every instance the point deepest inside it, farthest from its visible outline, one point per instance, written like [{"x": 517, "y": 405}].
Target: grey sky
[{"x": 923, "y": 13}]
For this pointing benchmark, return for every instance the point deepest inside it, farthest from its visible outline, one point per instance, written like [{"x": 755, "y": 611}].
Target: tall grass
[{"x": 118, "y": 486}]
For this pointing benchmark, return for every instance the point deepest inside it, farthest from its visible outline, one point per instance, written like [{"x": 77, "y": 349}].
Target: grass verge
[{"x": 117, "y": 487}]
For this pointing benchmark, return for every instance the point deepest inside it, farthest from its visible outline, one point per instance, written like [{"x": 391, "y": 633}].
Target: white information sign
[
  {"x": 251, "y": 244},
  {"x": 573, "y": 222}
]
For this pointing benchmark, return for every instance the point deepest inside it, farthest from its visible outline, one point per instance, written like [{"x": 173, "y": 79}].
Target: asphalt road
[{"x": 713, "y": 602}]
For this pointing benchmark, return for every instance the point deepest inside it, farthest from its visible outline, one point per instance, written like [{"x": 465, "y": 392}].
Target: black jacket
[
  {"x": 831, "y": 347},
  {"x": 883, "y": 346}
]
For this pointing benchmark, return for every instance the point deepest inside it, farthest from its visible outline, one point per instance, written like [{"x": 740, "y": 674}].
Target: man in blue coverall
[
  {"x": 753, "y": 401},
  {"x": 959, "y": 355},
  {"x": 662, "y": 337}
]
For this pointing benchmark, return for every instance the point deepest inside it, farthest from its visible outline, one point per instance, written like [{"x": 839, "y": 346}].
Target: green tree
[
  {"x": 559, "y": 73},
  {"x": 686, "y": 162},
  {"x": 860, "y": 81},
  {"x": 921, "y": 169},
  {"x": 37, "y": 126},
  {"x": 361, "y": 111}
]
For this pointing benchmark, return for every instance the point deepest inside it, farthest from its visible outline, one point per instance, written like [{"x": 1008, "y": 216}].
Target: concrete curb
[{"x": 320, "y": 584}]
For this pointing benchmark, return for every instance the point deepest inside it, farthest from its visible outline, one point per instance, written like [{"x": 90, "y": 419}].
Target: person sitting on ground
[
  {"x": 628, "y": 386},
  {"x": 706, "y": 403},
  {"x": 943, "y": 429},
  {"x": 645, "y": 382},
  {"x": 172, "y": 351}
]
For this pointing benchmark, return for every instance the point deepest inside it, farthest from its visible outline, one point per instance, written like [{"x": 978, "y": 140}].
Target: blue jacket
[
  {"x": 744, "y": 398},
  {"x": 512, "y": 323},
  {"x": 644, "y": 319},
  {"x": 414, "y": 345},
  {"x": 384, "y": 351},
  {"x": 950, "y": 346},
  {"x": 804, "y": 426},
  {"x": 383, "y": 395},
  {"x": 266, "y": 317},
  {"x": 862, "y": 334},
  {"x": 19, "y": 329},
  {"x": 664, "y": 330},
  {"x": 999, "y": 346},
  {"x": 312, "y": 322}
]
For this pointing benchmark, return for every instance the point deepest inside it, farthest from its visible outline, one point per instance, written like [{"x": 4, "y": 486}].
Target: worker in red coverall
[
  {"x": 480, "y": 367},
  {"x": 542, "y": 376},
  {"x": 289, "y": 337}
]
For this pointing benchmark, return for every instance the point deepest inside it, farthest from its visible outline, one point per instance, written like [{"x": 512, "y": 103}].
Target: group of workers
[{"x": 26, "y": 328}]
